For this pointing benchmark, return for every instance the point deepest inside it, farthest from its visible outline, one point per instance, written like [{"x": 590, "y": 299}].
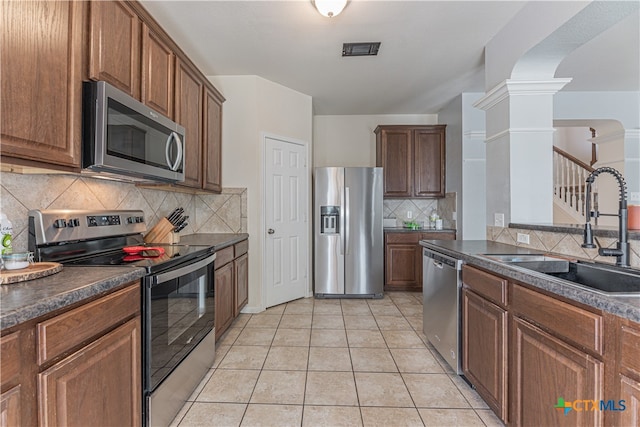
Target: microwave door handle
[{"x": 173, "y": 137}]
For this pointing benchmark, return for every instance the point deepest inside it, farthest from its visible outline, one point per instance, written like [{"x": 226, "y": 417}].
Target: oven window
[
  {"x": 185, "y": 308},
  {"x": 180, "y": 313}
]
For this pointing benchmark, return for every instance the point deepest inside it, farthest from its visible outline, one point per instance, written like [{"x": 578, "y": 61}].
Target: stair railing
[{"x": 569, "y": 186}]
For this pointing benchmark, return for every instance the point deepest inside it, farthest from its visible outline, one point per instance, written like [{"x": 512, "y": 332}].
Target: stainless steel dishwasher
[{"x": 441, "y": 284}]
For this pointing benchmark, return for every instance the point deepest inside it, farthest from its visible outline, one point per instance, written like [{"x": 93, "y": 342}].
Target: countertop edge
[
  {"x": 217, "y": 241},
  {"x": 43, "y": 307},
  {"x": 598, "y": 230},
  {"x": 626, "y": 307},
  {"x": 93, "y": 287},
  {"x": 419, "y": 230}
]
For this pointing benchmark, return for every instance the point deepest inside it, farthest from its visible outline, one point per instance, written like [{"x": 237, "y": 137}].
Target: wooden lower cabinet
[
  {"x": 231, "y": 284},
  {"x": 544, "y": 370},
  {"x": 484, "y": 350},
  {"x": 627, "y": 375},
  {"x": 403, "y": 259},
  {"x": 77, "y": 367},
  {"x": 629, "y": 393},
  {"x": 241, "y": 265},
  {"x": 101, "y": 381},
  {"x": 10, "y": 407},
  {"x": 224, "y": 298}
]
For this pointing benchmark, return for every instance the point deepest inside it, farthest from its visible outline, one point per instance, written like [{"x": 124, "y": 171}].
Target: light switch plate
[
  {"x": 498, "y": 220},
  {"x": 634, "y": 196}
]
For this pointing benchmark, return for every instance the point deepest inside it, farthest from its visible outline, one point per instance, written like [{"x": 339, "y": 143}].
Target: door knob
[{"x": 271, "y": 231}]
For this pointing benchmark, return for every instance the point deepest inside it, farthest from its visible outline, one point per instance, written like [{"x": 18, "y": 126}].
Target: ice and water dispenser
[{"x": 329, "y": 219}]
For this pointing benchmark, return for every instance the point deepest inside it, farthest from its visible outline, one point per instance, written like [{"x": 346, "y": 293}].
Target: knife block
[{"x": 162, "y": 232}]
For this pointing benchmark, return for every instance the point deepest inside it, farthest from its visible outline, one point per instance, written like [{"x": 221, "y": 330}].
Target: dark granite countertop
[
  {"x": 23, "y": 301},
  {"x": 420, "y": 230},
  {"x": 20, "y": 302},
  {"x": 216, "y": 240},
  {"x": 598, "y": 230},
  {"x": 469, "y": 251}
]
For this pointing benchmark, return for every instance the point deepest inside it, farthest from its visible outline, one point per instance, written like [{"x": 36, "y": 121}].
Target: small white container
[
  {"x": 17, "y": 261},
  {"x": 438, "y": 224}
]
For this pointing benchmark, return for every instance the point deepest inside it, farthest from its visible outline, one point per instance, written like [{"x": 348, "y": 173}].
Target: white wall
[
  {"x": 466, "y": 163},
  {"x": 350, "y": 141},
  {"x": 618, "y": 117},
  {"x": 474, "y": 169},
  {"x": 530, "y": 26},
  {"x": 255, "y": 106},
  {"x": 575, "y": 141}
]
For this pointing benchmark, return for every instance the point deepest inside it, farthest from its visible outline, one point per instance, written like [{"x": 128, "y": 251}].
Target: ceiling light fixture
[{"x": 329, "y": 8}]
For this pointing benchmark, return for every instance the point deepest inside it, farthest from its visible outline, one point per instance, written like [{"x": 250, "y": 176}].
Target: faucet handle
[{"x": 598, "y": 243}]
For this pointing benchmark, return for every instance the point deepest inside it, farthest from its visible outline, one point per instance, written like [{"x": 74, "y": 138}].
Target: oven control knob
[
  {"x": 75, "y": 222},
  {"x": 131, "y": 220},
  {"x": 139, "y": 219},
  {"x": 60, "y": 223}
]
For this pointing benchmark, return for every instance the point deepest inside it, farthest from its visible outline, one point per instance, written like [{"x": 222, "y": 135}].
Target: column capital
[{"x": 519, "y": 87}]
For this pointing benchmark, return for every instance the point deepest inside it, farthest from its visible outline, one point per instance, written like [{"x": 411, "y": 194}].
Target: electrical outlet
[
  {"x": 634, "y": 196},
  {"x": 523, "y": 238},
  {"x": 454, "y": 216},
  {"x": 409, "y": 214},
  {"x": 498, "y": 220}
]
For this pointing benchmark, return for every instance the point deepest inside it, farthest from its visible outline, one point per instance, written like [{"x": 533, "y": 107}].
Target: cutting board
[{"x": 36, "y": 270}]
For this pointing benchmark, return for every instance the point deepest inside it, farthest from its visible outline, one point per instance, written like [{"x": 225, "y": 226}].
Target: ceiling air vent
[{"x": 360, "y": 49}]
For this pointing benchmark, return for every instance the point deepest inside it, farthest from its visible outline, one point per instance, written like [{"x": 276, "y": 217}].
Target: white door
[{"x": 286, "y": 221}]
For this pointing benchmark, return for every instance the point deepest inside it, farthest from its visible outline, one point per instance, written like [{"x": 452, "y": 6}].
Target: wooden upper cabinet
[
  {"x": 428, "y": 167},
  {"x": 41, "y": 57},
  {"x": 413, "y": 158},
  {"x": 114, "y": 45},
  {"x": 158, "y": 60},
  {"x": 188, "y": 113},
  {"x": 395, "y": 149},
  {"x": 212, "y": 134}
]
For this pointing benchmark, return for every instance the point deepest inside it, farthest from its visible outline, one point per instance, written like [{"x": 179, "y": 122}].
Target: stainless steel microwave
[{"x": 124, "y": 137}]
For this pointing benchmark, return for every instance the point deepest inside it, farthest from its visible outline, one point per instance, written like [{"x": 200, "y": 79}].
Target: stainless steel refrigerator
[{"x": 348, "y": 239}]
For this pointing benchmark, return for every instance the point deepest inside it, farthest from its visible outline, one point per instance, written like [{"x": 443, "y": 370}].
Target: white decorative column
[{"x": 519, "y": 117}]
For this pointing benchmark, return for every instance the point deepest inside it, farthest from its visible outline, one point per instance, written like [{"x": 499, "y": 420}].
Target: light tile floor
[{"x": 349, "y": 362}]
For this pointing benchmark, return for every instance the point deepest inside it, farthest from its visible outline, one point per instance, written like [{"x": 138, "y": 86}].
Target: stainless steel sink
[
  {"x": 537, "y": 262},
  {"x": 602, "y": 278}
]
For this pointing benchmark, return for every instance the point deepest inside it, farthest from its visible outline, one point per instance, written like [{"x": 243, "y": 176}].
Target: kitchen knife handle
[{"x": 347, "y": 223}]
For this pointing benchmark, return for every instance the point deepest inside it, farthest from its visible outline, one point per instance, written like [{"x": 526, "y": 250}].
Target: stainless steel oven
[
  {"x": 178, "y": 299},
  {"x": 179, "y": 336}
]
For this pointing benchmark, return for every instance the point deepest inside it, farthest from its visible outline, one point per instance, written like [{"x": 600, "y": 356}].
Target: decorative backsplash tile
[
  {"x": 208, "y": 213},
  {"x": 421, "y": 209},
  {"x": 561, "y": 243}
]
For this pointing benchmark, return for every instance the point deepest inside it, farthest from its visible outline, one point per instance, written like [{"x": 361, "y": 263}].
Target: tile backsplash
[
  {"x": 208, "y": 213},
  {"x": 421, "y": 209},
  {"x": 561, "y": 243}
]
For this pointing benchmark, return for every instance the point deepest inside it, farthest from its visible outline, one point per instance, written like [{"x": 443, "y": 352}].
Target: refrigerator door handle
[{"x": 347, "y": 221}]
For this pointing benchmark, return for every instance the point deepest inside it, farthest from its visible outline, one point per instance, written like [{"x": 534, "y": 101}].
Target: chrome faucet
[{"x": 621, "y": 252}]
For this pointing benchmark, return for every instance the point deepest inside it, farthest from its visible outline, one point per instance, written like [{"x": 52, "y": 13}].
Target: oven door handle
[{"x": 173, "y": 274}]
